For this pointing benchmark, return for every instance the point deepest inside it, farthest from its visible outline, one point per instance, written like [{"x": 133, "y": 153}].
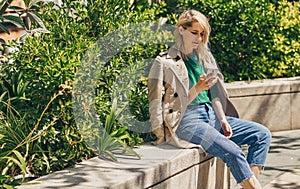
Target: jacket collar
[{"x": 174, "y": 53}]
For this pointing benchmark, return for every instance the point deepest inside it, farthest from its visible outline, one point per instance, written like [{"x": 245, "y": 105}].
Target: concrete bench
[{"x": 160, "y": 167}]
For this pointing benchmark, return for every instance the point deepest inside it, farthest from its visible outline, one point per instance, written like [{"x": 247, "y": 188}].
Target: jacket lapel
[{"x": 179, "y": 69}]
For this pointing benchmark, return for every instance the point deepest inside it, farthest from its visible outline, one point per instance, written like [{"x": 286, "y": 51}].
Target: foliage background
[{"x": 253, "y": 39}]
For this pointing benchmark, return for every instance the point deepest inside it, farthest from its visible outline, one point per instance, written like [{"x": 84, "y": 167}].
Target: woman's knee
[
  {"x": 268, "y": 135},
  {"x": 265, "y": 135}
]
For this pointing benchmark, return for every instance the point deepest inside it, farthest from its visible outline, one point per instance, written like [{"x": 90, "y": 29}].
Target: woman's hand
[
  {"x": 205, "y": 82},
  {"x": 226, "y": 128}
]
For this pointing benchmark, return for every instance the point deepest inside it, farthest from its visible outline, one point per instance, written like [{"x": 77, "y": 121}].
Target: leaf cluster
[{"x": 253, "y": 39}]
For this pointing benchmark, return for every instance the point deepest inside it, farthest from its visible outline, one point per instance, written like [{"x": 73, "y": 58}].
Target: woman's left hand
[{"x": 226, "y": 128}]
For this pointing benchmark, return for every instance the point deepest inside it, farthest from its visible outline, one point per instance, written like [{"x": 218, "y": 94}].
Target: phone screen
[{"x": 212, "y": 71}]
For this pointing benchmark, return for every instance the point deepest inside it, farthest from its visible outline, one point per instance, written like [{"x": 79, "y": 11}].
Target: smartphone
[
  {"x": 212, "y": 71},
  {"x": 212, "y": 74}
]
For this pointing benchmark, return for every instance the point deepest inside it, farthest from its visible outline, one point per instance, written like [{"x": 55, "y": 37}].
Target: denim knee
[{"x": 257, "y": 152}]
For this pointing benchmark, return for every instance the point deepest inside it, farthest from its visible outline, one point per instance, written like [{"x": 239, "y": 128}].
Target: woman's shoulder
[
  {"x": 164, "y": 53},
  {"x": 162, "y": 57},
  {"x": 169, "y": 54},
  {"x": 165, "y": 59}
]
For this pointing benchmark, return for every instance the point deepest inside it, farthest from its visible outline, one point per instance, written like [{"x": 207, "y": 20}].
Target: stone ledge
[
  {"x": 271, "y": 102},
  {"x": 263, "y": 87},
  {"x": 156, "y": 168}
]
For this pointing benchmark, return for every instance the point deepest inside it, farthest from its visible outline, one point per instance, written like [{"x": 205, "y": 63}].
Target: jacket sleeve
[
  {"x": 221, "y": 102},
  {"x": 155, "y": 92},
  {"x": 192, "y": 94},
  {"x": 218, "y": 97}
]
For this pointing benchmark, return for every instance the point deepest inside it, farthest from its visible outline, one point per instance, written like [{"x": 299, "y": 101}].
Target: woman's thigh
[
  {"x": 247, "y": 132},
  {"x": 255, "y": 135},
  {"x": 212, "y": 141},
  {"x": 196, "y": 127}
]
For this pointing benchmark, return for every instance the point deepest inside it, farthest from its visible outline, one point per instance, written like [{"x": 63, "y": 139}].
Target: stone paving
[{"x": 282, "y": 170}]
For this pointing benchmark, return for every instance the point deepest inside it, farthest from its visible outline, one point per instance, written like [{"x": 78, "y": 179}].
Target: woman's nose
[{"x": 199, "y": 37}]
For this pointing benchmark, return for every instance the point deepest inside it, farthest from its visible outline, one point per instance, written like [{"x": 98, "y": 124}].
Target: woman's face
[{"x": 192, "y": 37}]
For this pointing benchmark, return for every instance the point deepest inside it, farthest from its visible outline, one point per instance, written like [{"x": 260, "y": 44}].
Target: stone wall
[{"x": 273, "y": 103}]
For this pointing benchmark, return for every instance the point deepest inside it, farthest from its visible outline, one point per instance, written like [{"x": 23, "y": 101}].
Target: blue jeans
[{"x": 201, "y": 126}]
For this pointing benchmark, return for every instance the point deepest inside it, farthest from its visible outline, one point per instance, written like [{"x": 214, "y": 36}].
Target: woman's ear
[{"x": 180, "y": 29}]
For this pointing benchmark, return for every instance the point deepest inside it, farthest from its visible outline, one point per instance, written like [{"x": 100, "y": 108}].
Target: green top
[{"x": 195, "y": 70}]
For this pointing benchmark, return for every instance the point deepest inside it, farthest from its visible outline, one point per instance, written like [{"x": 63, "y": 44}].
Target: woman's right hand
[{"x": 204, "y": 83}]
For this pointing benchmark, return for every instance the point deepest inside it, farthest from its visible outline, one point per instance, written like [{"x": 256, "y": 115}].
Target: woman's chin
[{"x": 195, "y": 46}]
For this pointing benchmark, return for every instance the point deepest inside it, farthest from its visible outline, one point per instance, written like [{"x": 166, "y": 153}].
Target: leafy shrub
[
  {"x": 47, "y": 63},
  {"x": 251, "y": 39},
  {"x": 18, "y": 143},
  {"x": 46, "y": 68}
]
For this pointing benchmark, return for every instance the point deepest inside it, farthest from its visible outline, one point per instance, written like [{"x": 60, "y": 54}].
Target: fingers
[
  {"x": 209, "y": 83},
  {"x": 227, "y": 130},
  {"x": 205, "y": 82},
  {"x": 228, "y": 134},
  {"x": 209, "y": 79},
  {"x": 212, "y": 79},
  {"x": 202, "y": 77}
]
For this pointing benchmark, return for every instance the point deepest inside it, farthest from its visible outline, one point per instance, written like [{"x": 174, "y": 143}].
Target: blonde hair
[{"x": 186, "y": 20}]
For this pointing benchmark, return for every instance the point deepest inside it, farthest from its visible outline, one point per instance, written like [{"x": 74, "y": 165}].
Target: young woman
[{"x": 189, "y": 106}]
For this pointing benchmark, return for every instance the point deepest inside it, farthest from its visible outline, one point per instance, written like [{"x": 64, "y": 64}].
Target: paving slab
[
  {"x": 282, "y": 168},
  {"x": 289, "y": 180}
]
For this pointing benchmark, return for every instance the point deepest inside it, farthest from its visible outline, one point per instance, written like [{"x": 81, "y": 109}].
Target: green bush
[
  {"x": 47, "y": 63},
  {"x": 251, "y": 39}
]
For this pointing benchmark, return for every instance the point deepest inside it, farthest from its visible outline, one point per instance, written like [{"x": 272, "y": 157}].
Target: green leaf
[
  {"x": 2, "y": 27},
  {"x": 41, "y": 30},
  {"x": 34, "y": 2},
  {"x": 131, "y": 151},
  {"x": 110, "y": 154},
  {"x": 22, "y": 162},
  {"x": 27, "y": 2},
  {"x": 37, "y": 19},
  {"x": 15, "y": 20},
  {"x": 2, "y": 40},
  {"x": 16, "y": 8},
  {"x": 6, "y": 186}
]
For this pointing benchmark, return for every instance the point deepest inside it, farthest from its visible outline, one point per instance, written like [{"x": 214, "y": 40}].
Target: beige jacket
[{"x": 169, "y": 96}]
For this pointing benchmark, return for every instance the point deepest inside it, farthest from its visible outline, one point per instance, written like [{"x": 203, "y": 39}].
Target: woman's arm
[
  {"x": 218, "y": 108},
  {"x": 219, "y": 97}
]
